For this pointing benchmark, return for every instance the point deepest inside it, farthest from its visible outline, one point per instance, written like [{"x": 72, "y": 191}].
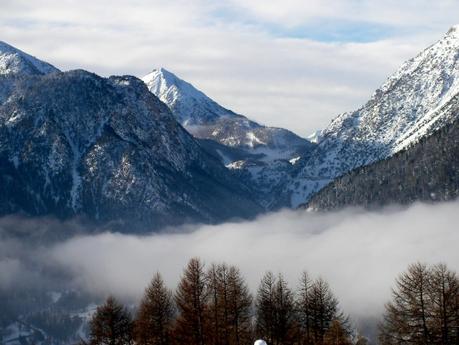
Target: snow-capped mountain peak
[
  {"x": 190, "y": 105},
  {"x": 15, "y": 61},
  {"x": 407, "y": 104}
]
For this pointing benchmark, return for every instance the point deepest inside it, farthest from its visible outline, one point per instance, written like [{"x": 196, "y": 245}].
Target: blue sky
[
  {"x": 294, "y": 64},
  {"x": 332, "y": 31},
  {"x": 322, "y": 29}
]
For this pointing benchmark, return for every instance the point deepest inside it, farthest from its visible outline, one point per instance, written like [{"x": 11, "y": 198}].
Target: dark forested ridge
[{"x": 426, "y": 171}]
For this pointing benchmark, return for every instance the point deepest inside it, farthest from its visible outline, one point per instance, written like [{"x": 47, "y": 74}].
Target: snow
[
  {"x": 315, "y": 137},
  {"x": 190, "y": 105},
  {"x": 236, "y": 164},
  {"x": 253, "y": 140},
  {"x": 260, "y": 342},
  {"x": 294, "y": 160},
  {"x": 13, "y": 60}
]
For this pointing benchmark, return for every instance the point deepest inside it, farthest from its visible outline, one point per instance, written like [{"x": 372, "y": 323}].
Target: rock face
[
  {"x": 263, "y": 157},
  {"x": 75, "y": 144},
  {"x": 426, "y": 171},
  {"x": 407, "y": 107}
]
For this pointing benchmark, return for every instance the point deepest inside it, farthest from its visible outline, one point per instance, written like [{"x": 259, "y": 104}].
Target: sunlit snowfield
[{"x": 359, "y": 253}]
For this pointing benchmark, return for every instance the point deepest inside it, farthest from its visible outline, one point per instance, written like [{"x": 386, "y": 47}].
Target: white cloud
[
  {"x": 390, "y": 12},
  {"x": 228, "y": 50}
]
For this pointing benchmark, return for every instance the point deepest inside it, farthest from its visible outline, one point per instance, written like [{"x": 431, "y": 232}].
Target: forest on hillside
[{"x": 427, "y": 171}]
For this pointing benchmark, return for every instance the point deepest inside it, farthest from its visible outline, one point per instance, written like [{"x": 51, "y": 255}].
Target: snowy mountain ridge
[
  {"x": 15, "y": 61},
  {"x": 407, "y": 107}
]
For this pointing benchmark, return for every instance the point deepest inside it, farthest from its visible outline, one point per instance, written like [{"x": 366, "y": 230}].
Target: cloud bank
[
  {"x": 360, "y": 253},
  {"x": 295, "y": 64}
]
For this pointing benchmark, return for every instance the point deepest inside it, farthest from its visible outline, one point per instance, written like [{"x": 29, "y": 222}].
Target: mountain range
[
  {"x": 406, "y": 108},
  {"x": 104, "y": 149},
  {"x": 158, "y": 152},
  {"x": 263, "y": 157}
]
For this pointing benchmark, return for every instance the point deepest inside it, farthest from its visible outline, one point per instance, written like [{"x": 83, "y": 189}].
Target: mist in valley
[{"x": 360, "y": 253}]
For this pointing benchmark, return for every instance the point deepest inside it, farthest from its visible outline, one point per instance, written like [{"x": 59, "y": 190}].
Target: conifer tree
[
  {"x": 111, "y": 325},
  {"x": 155, "y": 317},
  {"x": 407, "y": 317},
  {"x": 336, "y": 335},
  {"x": 275, "y": 310},
  {"x": 303, "y": 306},
  {"x": 444, "y": 294},
  {"x": 217, "y": 291},
  {"x": 240, "y": 305},
  {"x": 323, "y": 308},
  {"x": 191, "y": 299},
  {"x": 285, "y": 312},
  {"x": 265, "y": 308},
  {"x": 229, "y": 306},
  {"x": 424, "y": 308}
]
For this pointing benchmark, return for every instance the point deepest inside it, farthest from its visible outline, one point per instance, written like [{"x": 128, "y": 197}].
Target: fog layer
[{"x": 359, "y": 253}]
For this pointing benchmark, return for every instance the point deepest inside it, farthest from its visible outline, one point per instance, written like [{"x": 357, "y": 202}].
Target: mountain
[
  {"x": 410, "y": 105},
  {"x": 15, "y": 61},
  {"x": 190, "y": 106},
  {"x": 75, "y": 144},
  {"x": 425, "y": 171},
  {"x": 263, "y": 157}
]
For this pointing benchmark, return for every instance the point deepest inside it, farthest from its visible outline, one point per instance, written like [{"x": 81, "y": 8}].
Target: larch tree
[
  {"x": 240, "y": 308},
  {"x": 424, "y": 308},
  {"x": 407, "y": 319},
  {"x": 303, "y": 306},
  {"x": 323, "y": 308},
  {"x": 191, "y": 299},
  {"x": 284, "y": 303},
  {"x": 265, "y": 308},
  {"x": 155, "y": 317},
  {"x": 336, "y": 335},
  {"x": 111, "y": 325},
  {"x": 218, "y": 311},
  {"x": 229, "y": 306},
  {"x": 275, "y": 311},
  {"x": 444, "y": 294}
]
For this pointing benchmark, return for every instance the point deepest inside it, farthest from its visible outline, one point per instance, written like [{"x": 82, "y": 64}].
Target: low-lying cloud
[{"x": 360, "y": 253}]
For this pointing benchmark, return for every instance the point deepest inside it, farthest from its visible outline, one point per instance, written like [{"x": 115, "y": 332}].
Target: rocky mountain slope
[
  {"x": 426, "y": 171},
  {"x": 261, "y": 156},
  {"x": 406, "y": 108},
  {"x": 75, "y": 144}
]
